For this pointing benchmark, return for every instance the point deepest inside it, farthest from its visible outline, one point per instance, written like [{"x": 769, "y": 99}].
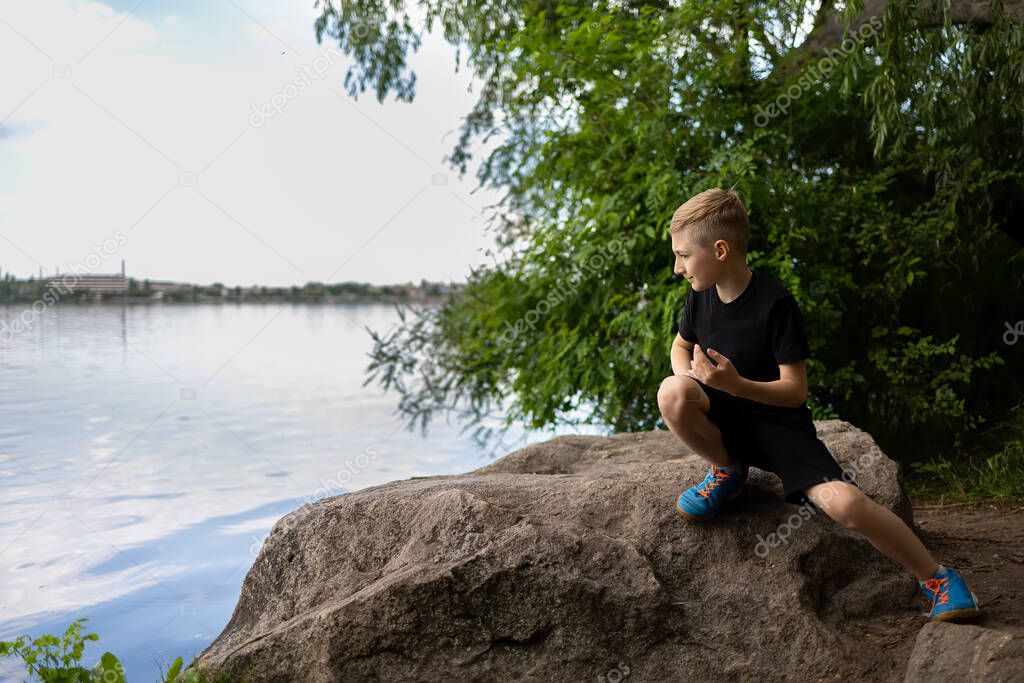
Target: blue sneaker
[
  {"x": 703, "y": 500},
  {"x": 949, "y": 596}
]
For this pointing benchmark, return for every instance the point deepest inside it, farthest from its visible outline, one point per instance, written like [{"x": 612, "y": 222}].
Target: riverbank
[
  {"x": 874, "y": 632},
  {"x": 300, "y": 299},
  {"x": 93, "y": 288}
]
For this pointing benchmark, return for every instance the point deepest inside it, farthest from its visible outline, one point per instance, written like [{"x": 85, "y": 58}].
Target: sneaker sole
[
  {"x": 690, "y": 517},
  {"x": 957, "y": 614},
  {"x": 968, "y": 613},
  {"x": 687, "y": 515}
]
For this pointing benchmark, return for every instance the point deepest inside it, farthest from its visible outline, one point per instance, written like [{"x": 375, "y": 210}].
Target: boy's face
[{"x": 697, "y": 264}]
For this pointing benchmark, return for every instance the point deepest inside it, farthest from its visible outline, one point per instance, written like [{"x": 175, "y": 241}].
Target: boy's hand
[{"x": 724, "y": 377}]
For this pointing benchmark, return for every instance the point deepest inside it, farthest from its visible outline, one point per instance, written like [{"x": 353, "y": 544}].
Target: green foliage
[
  {"x": 175, "y": 675},
  {"x": 882, "y": 194},
  {"x": 996, "y": 474},
  {"x": 58, "y": 660}
]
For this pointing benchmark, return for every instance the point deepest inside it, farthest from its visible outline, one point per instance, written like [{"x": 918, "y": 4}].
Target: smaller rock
[{"x": 959, "y": 652}]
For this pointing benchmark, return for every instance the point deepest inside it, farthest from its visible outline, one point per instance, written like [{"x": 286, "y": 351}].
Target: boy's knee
[
  {"x": 678, "y": 395},
  {"x": 843, "y": 502}
]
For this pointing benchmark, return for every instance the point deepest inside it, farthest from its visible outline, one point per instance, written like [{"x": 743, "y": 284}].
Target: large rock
[{"x": 567, "y": 560}]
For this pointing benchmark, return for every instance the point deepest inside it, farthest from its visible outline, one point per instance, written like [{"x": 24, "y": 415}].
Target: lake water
[{"x": 147, "y": 450}]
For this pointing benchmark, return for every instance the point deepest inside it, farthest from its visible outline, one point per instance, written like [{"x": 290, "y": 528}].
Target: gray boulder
[
  {"x": 961, "y": 653},
  {"x": 567, "y": 560}
]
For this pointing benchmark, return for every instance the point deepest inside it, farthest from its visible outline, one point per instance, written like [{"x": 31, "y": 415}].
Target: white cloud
[{"x": 101, "y": 144}]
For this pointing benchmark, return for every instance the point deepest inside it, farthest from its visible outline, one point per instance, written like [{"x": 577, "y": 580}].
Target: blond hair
[{"x": 713, "y": 215}]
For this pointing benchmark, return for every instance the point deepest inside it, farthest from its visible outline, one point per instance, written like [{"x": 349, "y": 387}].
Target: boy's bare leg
[
  {"x": 850, "y": 507},
  {"x": 684, "y": 405}
]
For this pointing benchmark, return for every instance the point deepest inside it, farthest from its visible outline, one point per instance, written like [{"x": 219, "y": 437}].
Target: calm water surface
[{"x": 146, "y": 451}]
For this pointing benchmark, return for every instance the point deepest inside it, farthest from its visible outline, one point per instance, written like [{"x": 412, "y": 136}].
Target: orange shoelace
[
  {"x": 935, "y": 585},
  {"x": 719, "y": 477}
]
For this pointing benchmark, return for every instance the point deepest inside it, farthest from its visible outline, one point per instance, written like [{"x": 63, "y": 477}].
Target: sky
[{"x": 164, "y": 133}]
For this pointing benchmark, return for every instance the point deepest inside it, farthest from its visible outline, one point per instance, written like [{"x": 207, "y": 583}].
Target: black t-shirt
[{"x": 757, "y": 330}]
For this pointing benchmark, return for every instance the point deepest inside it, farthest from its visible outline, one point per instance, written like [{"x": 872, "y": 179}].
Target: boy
[{"x": 737, "y": 396}]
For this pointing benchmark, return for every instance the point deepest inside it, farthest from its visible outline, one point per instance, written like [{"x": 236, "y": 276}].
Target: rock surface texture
[
  {"x": 960, "y": 652},
  {"x": 567, "y": 560}
]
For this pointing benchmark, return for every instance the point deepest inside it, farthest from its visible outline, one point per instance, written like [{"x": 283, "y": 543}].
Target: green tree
[{"x": 877, "y": 146}]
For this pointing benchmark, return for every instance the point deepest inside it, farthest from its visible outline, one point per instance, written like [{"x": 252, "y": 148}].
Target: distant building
[{"x": 97, "y": 283}]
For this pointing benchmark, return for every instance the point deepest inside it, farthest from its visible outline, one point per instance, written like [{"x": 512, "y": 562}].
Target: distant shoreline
[
  {"x": 118, "y": 289},
  {"x": 150, "y": 301}
]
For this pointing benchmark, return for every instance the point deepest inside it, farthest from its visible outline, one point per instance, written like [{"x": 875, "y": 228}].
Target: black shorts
[{"x": 775, "y": 439}]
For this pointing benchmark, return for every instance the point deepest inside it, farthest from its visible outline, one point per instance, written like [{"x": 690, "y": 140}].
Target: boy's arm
[
  {"x": 789, "y": 391},
  {"x": 681, "y": 355}
]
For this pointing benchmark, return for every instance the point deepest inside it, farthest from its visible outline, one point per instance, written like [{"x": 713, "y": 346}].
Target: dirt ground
[
  {"x": 986, "y": 544},
  {"x": 982, "y": 541}
]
